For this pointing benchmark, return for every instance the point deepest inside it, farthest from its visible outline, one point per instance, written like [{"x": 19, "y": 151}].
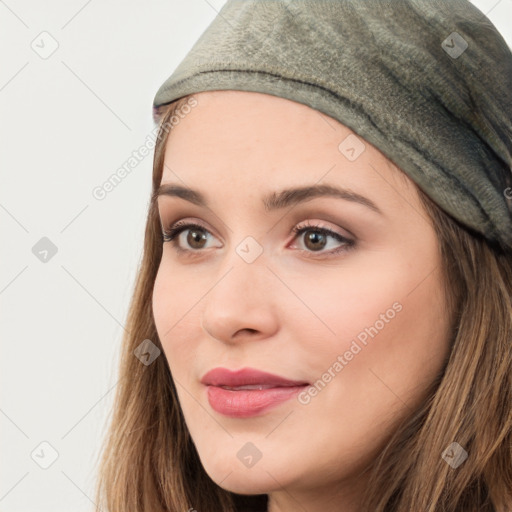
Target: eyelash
[{"x": 171, "y": 233}]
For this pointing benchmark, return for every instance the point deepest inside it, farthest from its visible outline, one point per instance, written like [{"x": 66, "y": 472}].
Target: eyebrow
[{"x": 274, "y": 200}]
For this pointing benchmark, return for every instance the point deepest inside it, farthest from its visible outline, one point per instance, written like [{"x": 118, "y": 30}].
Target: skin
[{"x": 290, "y": 314}]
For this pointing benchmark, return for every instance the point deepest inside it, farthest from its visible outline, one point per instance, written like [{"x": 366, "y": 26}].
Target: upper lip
[{"x": 246, "y": 376}]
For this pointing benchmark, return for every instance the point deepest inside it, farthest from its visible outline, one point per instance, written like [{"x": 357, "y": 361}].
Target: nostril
[
  {"x": 250, "y": 334},
  {"x": 246, "y": 330}
]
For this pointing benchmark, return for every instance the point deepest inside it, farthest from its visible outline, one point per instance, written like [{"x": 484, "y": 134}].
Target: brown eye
[
  {"x": 315, "y": 240},
  {"x": 196, "y": 238}
]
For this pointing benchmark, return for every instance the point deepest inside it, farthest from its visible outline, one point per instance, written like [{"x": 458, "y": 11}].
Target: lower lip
[{"x": 248, "y": 402}]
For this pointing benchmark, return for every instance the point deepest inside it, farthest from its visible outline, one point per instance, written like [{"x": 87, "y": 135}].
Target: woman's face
[{"x": 361, "y": 320}]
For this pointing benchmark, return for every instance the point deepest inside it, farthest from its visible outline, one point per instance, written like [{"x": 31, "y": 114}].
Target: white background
[{"x": 67, "y": 123}]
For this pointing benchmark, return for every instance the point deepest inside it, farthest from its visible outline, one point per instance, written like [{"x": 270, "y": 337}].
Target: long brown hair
[{"x": 149, "y": 462}]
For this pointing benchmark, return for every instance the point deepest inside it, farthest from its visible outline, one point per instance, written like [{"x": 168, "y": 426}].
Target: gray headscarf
[{"x": 429, "y": 83}]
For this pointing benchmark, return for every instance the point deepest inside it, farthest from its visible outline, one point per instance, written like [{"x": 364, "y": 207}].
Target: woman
[{"x": 322, "y": 319}]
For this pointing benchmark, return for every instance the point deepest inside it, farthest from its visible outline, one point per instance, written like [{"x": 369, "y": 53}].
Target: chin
[{"x": 246, "y": 481}]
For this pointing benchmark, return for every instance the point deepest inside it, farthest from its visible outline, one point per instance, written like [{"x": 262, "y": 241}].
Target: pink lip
[{"x": 246, "y": 403}]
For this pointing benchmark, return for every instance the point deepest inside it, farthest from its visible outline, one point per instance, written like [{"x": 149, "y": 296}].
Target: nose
[{"x": 241, "y": 303}]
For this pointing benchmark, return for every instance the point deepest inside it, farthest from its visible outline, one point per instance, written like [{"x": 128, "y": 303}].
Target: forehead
[
  {"x": 248, "y": 120},
  {"x": 253, "y": 140}
]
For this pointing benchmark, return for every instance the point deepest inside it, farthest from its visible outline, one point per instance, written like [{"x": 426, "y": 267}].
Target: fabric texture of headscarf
[{"x": 427, "y": 82}]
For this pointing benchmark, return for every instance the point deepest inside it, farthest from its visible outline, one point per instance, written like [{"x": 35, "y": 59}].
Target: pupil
[
  {"x": 314, "y": 236},
  {"x": 195, "y": 236}
]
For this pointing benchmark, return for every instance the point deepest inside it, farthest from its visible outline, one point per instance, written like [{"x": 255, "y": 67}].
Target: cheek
[
  {"x": 383, "y": 310},
  {"x": 162, "y": 303},
  {"x": 346, "y": 308},
  {"x": 392, "y": 342},
  {"x": 174, "y": 294},
  {"x": 172, "y": 303}
]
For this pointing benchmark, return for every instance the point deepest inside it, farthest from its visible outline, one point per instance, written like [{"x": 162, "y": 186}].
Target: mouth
[
  {"x": 248, "y": 378},
  {"x": 248, "y": 401},
  {"x": 248, "y": 392},
  {"x": 254, "y": 386}
]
